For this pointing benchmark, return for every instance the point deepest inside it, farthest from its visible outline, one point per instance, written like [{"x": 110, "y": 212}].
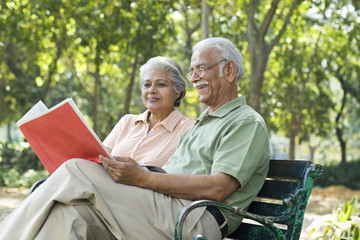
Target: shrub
[
  {"x": 12, "y": 178},
  {"x": 19, "y": 156},
  {"x": 343, "y": 225},
  {"x": 19, "y": 165},
  {"x": 340, "y": 174}
]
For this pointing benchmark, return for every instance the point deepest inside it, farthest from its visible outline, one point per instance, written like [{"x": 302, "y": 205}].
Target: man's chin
[{"x": 203, "y": 100}]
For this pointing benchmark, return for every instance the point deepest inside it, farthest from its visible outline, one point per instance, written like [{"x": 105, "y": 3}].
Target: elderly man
[{"x": 223, "y": 157}]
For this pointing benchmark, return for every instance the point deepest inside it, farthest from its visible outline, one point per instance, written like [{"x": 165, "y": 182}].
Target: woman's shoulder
[
  {"x": 186, "y": 121},
  {"x": 131, "y": 118}
]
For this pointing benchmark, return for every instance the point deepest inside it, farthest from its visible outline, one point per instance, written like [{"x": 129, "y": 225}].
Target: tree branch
[
  {"x": 267, "y": 20},
  {"x": 276, "y": 40},
  {"x": 312, "y": 59},
  {"x": 250, "y": 11}
]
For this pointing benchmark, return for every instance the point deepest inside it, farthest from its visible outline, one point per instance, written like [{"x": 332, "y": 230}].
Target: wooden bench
[{"x": 278, "y": 210}]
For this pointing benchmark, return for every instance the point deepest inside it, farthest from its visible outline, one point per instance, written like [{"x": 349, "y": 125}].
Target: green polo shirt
[{"x": 233, "y": 140}]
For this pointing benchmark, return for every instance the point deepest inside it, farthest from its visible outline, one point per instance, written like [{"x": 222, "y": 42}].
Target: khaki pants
[{"x": 81, "y": 201}]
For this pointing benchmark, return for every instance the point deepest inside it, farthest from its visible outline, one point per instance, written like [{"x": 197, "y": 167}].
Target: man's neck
[{"x": 225, "y": 100}]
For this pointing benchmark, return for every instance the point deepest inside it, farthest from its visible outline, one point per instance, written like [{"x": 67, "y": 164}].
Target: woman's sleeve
[{"x": 110, "y": 140}]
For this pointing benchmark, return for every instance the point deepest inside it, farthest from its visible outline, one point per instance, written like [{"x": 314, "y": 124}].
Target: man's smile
[{"x": 200, "y": 84}]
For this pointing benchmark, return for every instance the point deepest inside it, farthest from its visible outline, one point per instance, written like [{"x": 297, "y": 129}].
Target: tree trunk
[
  {"x": 96, "y": 88},
  {"x": 52, "y": 70},
  {"x": 258, "y": 57},
  {"x": 292, "y": 138},
  {"x": 293, "y": 127},
  {"x": 258, "y": 68},
  {"x": 339, "y": 135},
  {"x": 2, "y": 89},
  {"x": 259, "y": 49},
  {"x": 52, "y": 67},
  {"x": 312, "y": 152},
  {"x": 9, "y": 136},
  {"x": 131, "y": 85},
  {"x": 188, "y": 31},
  {"x": 338, "y": 122},
  {"x": 205, "y": 13}
]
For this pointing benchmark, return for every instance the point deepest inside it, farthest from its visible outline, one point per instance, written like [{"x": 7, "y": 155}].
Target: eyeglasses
[{"x": 200, "y": 71}]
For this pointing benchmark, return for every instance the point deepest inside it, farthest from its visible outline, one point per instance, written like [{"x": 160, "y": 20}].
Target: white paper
[{"x": 35, "y": 111}]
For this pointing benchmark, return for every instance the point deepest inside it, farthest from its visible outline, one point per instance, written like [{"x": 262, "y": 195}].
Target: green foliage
[
  {"x": 340, "y": 174},
  {"x": 19, "y": 166},
  {"x": 12, "y": 178},
  {"x": 51, "y": 50},
  {"x": 18, "y": 156},
  {"x": 343, "y": 225}
]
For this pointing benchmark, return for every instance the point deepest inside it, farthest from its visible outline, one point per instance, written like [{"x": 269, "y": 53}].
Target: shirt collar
[
  {"x": 170, "y": 122},
  {"x": 142, "y": 117},
  {"x": 224, "y": 109}
]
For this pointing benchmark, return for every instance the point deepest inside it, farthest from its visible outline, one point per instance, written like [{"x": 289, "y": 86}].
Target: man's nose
[{"x": 194, "y": 77}]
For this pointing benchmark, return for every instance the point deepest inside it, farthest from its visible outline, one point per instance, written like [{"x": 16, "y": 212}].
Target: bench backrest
[{"x": 284, "y": 195}]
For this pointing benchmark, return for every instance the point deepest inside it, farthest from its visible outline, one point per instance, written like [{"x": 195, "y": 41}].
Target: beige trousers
[{"x": 81, "y": 201}]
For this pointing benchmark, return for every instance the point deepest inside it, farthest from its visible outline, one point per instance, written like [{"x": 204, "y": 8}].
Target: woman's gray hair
[
  {"x": 172, "y": 68},
  {"x": 227, "y": 50}
]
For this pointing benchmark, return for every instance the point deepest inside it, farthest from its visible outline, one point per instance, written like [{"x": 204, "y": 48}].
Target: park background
[{"x": 302, "y": 69}]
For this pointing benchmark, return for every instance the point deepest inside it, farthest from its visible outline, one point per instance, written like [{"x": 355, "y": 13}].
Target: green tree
[
  {"x": 266, "y": 23},
  {"x": 341, "y": 63}
]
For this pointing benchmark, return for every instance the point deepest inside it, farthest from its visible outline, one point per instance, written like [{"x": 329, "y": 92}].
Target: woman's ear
[
  {"x": 179, "y": 96},
  {"x": 230, "y": 72}
]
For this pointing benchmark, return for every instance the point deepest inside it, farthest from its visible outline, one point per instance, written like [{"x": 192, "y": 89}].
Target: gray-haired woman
[{"x": 152, "y": 137}]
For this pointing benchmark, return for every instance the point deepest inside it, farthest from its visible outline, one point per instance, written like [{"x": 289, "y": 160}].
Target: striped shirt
[{"x": 131, "y": 137}]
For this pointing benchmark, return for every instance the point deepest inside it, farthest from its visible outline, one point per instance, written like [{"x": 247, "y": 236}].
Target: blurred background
[{"x": 301, "y": 58}]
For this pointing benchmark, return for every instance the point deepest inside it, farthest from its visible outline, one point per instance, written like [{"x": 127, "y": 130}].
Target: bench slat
[
  {"x": 253, "y": 232},
  {"x": 287, "y": 168},
  {"x": 266, "y": 209},
  {"x": 277, "y": 189}
]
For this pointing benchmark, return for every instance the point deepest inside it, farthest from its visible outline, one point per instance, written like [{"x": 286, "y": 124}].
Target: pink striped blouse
[{"x": 131, "y": 137}]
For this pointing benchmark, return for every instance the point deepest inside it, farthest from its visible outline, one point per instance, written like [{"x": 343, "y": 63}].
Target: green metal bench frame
[{"x": 277, "y": 212}]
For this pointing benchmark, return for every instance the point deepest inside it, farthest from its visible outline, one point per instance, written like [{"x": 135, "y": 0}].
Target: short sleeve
[
  {"x": 110, "y": 140},
  {"x": 242, "y": 150}
]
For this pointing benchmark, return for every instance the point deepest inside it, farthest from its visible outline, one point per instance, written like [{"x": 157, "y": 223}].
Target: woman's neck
[{"x": 154, "y": 118}]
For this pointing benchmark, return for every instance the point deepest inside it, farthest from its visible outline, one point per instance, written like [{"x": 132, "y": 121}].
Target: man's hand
[
  {"x": 215, "y": 186},
  {"x": 124, "y": 170}
]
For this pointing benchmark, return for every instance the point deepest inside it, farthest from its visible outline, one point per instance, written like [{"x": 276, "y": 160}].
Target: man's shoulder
[
  {"x": 244, "y": 112},
  {"x": 246, "y": 115}
]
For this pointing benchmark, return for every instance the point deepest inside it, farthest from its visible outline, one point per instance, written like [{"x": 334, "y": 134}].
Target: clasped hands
[{"x": 124, "y": 170}]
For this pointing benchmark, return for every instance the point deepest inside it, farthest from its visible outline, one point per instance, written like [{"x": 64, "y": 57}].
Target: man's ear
[{"x": 230, "y": 71}]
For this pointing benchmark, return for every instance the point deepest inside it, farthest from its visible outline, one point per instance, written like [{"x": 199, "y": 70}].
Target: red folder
[{"x": 61, "y": 133}]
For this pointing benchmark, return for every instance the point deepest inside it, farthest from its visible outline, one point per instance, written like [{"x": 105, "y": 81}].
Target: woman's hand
[{"x": 124, "y": 170}]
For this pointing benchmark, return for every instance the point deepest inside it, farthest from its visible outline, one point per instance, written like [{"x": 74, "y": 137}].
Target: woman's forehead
[{"x": 157, "y": 74}]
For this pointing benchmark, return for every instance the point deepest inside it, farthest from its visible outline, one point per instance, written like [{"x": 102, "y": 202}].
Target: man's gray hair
[
  {"x": 172, "y": 68},
  {"x": 227, "y": 50}
]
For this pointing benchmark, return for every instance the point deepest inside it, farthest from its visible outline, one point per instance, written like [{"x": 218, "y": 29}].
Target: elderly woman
[
  {"x": 149, "y": 138},
  {"x": 152, "y": 137}
]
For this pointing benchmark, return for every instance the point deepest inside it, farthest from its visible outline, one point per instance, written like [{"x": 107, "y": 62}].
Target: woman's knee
[{"x": 76, "y": 162}]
